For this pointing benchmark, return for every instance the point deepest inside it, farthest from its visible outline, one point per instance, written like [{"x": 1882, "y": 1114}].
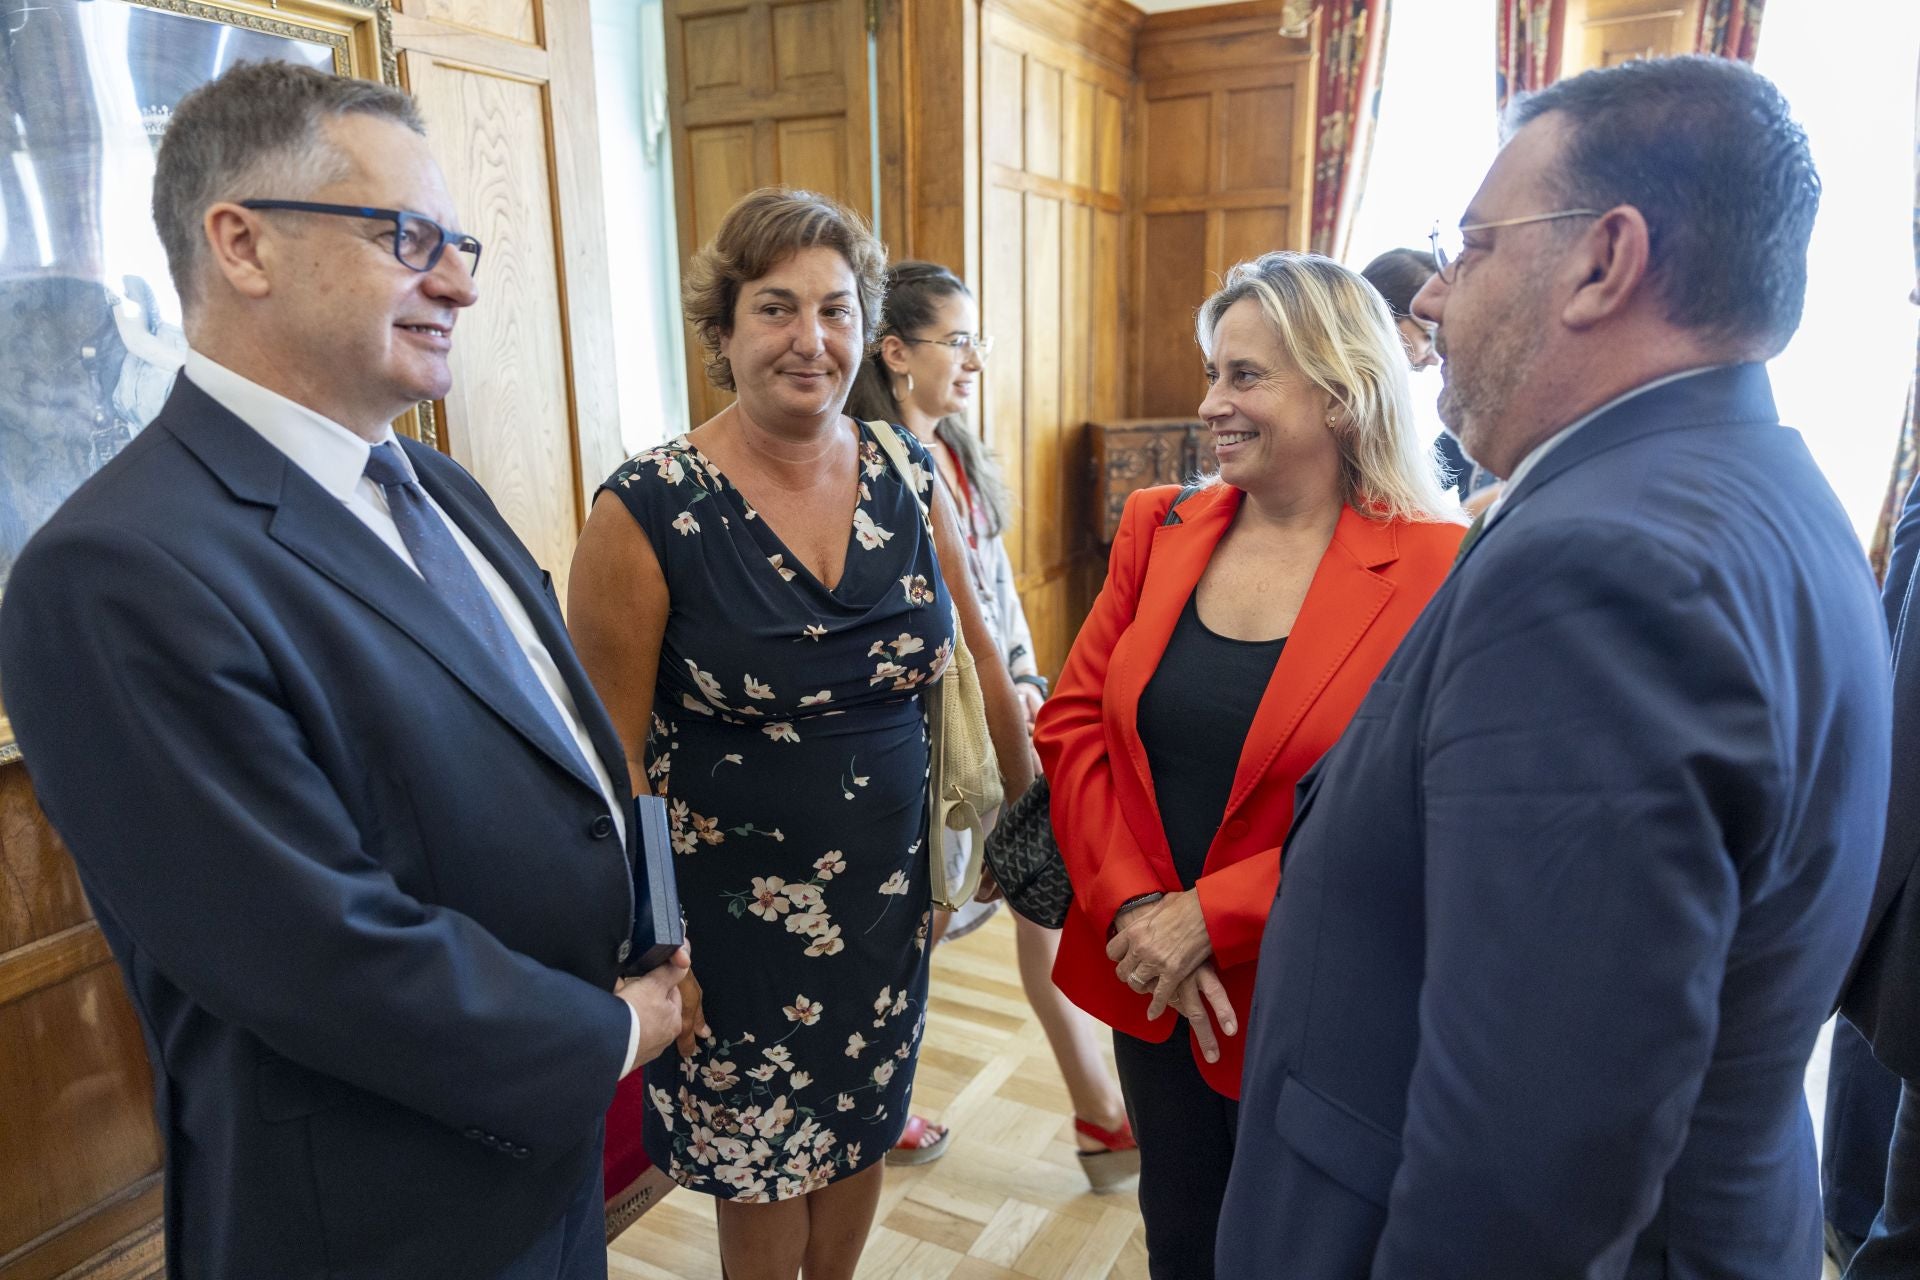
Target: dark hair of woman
[
  {"x": 914, "y": 292},
  {"x": 1399, "y": 274}
]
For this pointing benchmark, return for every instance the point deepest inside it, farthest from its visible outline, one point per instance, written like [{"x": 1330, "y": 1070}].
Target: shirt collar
[
  {"x": 335, "y": 457},
  {"x": 1560, "y": 437}
]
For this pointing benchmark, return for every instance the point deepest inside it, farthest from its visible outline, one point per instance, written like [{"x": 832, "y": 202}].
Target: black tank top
[{"x": 1193, "y": 721}]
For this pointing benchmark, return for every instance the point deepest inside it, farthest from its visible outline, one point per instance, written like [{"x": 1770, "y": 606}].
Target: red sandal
[
  {"x": 913, "y": 1148},
  {"x": 1108, "y": 1170}
]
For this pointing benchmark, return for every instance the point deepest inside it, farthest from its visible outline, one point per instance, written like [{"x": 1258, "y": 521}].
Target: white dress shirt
[
  {"x": 1554, "y": 441},
  {"x": 336, "y": 459}
]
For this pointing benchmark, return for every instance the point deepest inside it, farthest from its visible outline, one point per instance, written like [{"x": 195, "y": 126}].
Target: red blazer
[{"x": 1371, "y": 584}]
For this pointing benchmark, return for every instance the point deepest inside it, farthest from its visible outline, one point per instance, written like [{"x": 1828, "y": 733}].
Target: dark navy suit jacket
[
  {"x": 368, "y": 908},
  {"x": 1883, "y": 996},
  {"x": 1562, "y": 912}
]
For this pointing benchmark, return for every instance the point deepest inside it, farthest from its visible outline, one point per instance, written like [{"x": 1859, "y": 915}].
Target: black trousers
[
  {"x": 1185, "y": 1131},
  {"x": 1892, "y": 1250},
  {"x": 1862, "y": 1097}
]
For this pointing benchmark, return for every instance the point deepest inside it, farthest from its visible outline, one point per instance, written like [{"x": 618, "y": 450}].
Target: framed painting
[{"x": 90, "y": 325}]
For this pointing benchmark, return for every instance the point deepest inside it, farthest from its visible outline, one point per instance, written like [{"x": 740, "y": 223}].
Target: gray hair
[
  {"x": 255, "y": 133},
  {"x": 1337, "y": 330}
]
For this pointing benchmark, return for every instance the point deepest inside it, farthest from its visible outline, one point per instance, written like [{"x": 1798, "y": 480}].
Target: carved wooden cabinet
[{"x": 1138, "y": 453}]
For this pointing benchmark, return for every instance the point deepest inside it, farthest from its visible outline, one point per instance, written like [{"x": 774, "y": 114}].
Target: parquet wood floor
[{"x": 1006, "y": 1202}]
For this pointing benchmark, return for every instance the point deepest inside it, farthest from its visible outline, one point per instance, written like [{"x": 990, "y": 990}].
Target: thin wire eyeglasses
[
  {"x": 1448, "y": 263},
  {"x": 418, "y": 241},
  {"x": 977, "y": 343}
]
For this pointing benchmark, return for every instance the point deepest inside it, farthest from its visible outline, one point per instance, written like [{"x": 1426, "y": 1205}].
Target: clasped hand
[
  {"x": 1162, "y": 948},
  {"x": 669, "y": 1003}
]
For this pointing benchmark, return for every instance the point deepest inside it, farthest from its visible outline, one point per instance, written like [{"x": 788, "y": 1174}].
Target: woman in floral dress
[{"x": 761, "y": 605}]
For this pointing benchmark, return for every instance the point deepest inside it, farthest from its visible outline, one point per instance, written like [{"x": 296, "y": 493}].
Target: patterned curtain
[
  {"x": 1906, "y": 457},
  {"x": 1532, "y": 33},
  {"x": 1729, "y": 28},
  {"x": 1353, "y": 35}
]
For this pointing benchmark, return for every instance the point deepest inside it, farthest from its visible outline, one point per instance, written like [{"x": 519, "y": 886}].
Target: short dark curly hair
[
  {"x": 1709, "y": 153},
  {"x": 762, "y": 229}
]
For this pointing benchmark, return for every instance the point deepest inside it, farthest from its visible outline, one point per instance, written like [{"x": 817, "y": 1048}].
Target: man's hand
[
  {"x": 1193, "y": 999},
  {"x": 1157, "y": 945},
  {"x": 655, "y": 997}
]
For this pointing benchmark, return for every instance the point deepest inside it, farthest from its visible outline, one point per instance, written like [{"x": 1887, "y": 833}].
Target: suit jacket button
[
  {"x": 601, "y": 827},
  {"x": 626, "y": 949},
  {"x": 1236, "y": 828},
  {"x": 476, "y": 1134}
]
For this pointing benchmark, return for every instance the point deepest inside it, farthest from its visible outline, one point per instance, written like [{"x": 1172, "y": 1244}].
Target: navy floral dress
[{"x": 789, "y": 739}]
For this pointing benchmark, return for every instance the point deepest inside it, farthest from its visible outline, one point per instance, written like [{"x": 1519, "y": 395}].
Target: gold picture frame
[{"x": 88, "y": 317}]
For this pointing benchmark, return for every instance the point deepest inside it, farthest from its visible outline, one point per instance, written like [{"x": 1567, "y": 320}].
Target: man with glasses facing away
[
  {"x": 304, "y": 710},
  {"x": 1561, "y": 914}
]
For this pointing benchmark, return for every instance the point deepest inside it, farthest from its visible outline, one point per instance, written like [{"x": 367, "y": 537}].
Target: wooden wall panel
[
  {"x": 1177, "y": 145},
  {"x": 763, "y": 92},
  {"x": 1256, "y": 144},
  {"x": 512, "y": 374},
  {"x": 1054, "y": 128},
  {"x": 1172, "y": 286},
  {"x": 81, "y": 1165},
  {"x": 1223, "y": 176},
  {"x": 517, "y": 20}
]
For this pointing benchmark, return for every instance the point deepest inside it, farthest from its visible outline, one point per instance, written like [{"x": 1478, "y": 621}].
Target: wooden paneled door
[
  {"x": 1224, "y": 171},
  {"x": 1054, "y": 105},
  {"x": 507, "y": 90},
  {"x": 763, "y": 92}
]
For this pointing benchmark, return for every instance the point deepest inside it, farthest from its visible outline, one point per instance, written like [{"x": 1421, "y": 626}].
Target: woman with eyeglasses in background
[{"x": 923, "y": 373}]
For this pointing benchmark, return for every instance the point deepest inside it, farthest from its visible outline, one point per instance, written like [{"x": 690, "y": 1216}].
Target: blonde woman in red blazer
[{"x": 1232, "y": 641}]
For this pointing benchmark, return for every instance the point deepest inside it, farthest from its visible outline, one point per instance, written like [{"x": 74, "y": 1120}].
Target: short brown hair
[
  {"x": 255, "y": 133},
  {"x": 764, "y": 228}
]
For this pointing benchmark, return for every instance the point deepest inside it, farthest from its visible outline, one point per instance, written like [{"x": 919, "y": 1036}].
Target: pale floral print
[{"x": 777, "y": 743}]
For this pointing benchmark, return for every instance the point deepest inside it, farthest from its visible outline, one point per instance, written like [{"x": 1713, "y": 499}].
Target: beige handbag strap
[
  {"x": 941, "y": 705},
  {"x": 903, "y": 465}
]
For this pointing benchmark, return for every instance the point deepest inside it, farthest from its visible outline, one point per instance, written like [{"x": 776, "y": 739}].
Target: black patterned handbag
[{"x": 1026, "y": 860}]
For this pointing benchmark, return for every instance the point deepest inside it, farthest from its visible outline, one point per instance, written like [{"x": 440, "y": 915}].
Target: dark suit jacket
[
  {"x": 366, "y": 907},
  {"x": 1883, "y": 996},
  {"x": 1566, "y": 906}
]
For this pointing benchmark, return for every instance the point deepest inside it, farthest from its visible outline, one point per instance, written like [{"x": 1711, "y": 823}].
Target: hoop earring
[{"x": 898, "y": 394}]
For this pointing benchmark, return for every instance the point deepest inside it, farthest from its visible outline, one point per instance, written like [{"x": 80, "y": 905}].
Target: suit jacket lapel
[
  {"x": 315, "y": 526},
  {"x": 1344, "y": 598}
]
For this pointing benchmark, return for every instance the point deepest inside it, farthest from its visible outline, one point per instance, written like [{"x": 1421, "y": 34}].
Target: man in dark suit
[
  {"x": 305, "y": 712},
  {"x": 1561, "y": 914},
  {"x": 1882, "y": 996}
]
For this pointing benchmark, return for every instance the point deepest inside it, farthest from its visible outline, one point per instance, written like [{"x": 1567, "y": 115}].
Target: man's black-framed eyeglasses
[{"x": 418, "y": 241}]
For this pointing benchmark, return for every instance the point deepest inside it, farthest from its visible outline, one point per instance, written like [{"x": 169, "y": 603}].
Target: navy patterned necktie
[{"x": 453, "y": 578}]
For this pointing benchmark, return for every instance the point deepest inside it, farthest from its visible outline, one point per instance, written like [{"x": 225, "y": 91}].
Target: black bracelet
[
  {"x": 1038, "y": 682},
  {"x": 1138, "y": 900}
]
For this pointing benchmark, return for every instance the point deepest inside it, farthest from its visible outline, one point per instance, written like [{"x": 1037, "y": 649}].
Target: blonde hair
[
  {"x": 1336, "y": 329},
  {"x": 762, "y": 230}
]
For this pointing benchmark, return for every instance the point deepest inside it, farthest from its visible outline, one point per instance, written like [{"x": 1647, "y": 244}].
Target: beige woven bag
[{"x": 964, "y": 777}]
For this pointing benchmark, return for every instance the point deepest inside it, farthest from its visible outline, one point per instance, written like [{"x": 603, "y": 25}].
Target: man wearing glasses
[
  {"x": 304, "y": 710},
  {"x": 1561, "y": 914}
]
